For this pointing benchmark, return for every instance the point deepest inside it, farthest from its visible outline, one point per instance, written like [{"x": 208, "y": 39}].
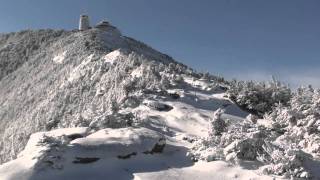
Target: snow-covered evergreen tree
[
  {"x": 217, "y": 125},
  {"x": 259, "y": 98}
]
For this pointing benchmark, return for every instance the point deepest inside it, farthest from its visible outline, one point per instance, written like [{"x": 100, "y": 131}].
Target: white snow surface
[
  {"x": 59, "y": 58},
  {"x": 137, "y": 73},
  {"x": 80, "y": 70},
  {"x": 112, "y": 56},
  {"x": 216, "y": 170}
]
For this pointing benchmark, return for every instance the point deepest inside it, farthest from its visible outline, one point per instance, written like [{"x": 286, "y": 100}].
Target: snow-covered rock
[
  {"x": 158, "y": 106},
  {"x": 121, "y": 142},
  {"x": 60, "y": 150}
]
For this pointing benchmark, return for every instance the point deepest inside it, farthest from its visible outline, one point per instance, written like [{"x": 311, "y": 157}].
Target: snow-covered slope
[
  {"x": 96, "y": 104},
  {"x": 130, "y": 153},
  {"x": 51, "y": 78}
]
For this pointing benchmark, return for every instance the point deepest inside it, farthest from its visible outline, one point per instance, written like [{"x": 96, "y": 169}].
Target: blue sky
[{"x": 246, "y": 39}]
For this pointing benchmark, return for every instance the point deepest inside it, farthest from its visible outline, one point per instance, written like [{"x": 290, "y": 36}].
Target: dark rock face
[
  {"x": 127, "y": 156},
  {"x": 85, "y": 160},
  {"x": 158, "y": 147},
  {"x": 158, "y": 106},
  {"x": 174, "y": 95},
  {"x": 75, "y": 136}
]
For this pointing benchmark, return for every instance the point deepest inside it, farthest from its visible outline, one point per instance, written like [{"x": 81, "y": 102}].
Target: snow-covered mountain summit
[
  {"x": 49, "y": 78},
  {"x": 94, "y": 104}
]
